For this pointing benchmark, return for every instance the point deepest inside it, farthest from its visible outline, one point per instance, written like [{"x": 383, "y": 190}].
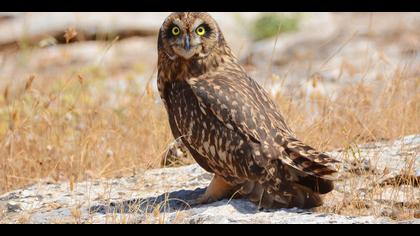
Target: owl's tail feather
[
  {"x": 308, "y": 161},
  {"x": 318, "y": 185}
]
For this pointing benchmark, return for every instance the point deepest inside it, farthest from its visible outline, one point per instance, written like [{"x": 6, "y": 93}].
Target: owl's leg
[{"x": 218, "y": 189}]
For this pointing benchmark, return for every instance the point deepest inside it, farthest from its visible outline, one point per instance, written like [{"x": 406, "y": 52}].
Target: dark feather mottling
[{"x": 232, "y": 127}]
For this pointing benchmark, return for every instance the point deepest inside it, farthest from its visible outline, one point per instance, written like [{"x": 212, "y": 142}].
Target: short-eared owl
[{"x": 229, "y": 123}]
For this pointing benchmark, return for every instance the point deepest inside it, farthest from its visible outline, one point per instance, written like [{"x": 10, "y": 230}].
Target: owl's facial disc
[{"x": 189, "y": 35}]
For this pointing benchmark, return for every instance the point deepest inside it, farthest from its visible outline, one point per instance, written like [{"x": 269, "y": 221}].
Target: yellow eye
[
  {"x": 176, "y": 31},
  {"x": 200, "y": 31}
]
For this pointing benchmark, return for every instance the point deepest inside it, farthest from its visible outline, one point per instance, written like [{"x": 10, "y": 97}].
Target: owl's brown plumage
[{"x": 229, "y": 123}]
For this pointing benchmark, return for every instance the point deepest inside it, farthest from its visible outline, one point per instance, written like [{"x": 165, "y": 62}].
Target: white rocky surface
[{"x": 158, "y": 196}]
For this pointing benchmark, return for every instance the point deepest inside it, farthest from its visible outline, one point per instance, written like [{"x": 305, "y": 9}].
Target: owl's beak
[
  {"x": 184, "y": 48},
  {"x": 187, "y": 43}
]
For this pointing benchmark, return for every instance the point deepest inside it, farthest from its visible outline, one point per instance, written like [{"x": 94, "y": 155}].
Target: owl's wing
[{"x": 240, "y": 103}]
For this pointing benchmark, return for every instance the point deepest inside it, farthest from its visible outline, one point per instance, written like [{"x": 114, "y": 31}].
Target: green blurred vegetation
[{"x": 270, "y": 24}]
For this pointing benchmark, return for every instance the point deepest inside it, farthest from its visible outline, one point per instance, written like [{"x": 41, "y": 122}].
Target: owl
[{"x": 229, "y": 123}]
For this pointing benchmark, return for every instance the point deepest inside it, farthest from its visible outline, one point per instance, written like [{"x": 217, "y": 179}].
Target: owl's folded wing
[
  {"x": 232, "y": 103},
  {"x": 238, "y": 104}
]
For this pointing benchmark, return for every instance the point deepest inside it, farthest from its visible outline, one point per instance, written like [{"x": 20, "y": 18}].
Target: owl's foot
[{"x": 218, "y": 189}]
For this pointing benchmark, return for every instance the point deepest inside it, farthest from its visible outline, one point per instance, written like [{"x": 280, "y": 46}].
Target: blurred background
[{"x": 79, "y": 93}]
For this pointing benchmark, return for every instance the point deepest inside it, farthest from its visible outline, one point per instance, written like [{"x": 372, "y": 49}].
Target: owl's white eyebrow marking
[
  {"x": 178, "y": 23},
  {"x": 197, "y": 23}
]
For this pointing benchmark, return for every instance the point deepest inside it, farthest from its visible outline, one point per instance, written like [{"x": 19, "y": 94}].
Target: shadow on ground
[
  {"x": 167, "y": 202},
  {"x": 176, "y": 201}
]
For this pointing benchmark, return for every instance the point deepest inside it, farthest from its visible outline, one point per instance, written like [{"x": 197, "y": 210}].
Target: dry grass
[
  {"x": 362, "y": 112},
  {"x": 385, "y": 109},
  {"x": 77, "y": 127},
  {"x": 85, "y": 125}
]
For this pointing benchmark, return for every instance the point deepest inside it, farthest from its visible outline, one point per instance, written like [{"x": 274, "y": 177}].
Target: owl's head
[{"x": 189, "y": 35}]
